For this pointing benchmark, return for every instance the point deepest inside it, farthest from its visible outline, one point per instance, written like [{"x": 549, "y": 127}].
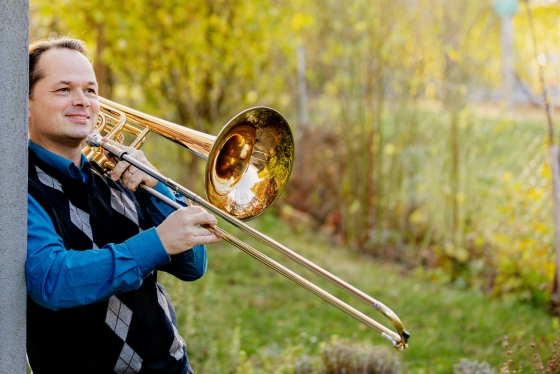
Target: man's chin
[
  {"x": 76, "y": 139},
  {"x": 80, "y": 134}
]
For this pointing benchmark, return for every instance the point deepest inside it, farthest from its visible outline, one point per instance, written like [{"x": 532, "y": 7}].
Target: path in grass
[{"x": 241, "y": 305}]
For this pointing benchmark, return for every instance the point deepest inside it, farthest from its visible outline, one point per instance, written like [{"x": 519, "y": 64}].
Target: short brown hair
[{"x": 37, "y": 48}]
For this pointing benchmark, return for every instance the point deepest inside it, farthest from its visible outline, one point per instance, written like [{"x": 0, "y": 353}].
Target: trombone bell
[{"x": 250, "y": 163}]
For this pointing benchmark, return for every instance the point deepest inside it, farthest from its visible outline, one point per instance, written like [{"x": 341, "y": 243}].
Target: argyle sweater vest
[{"x": 131, "y": 332}]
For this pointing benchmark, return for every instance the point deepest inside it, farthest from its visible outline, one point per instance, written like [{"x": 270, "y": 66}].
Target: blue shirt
[{"x": 58, "y": 278}]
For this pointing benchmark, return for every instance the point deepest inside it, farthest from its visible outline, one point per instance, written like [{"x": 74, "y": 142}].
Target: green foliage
[
  {"x": 488, "y": 224},
  {"x": 523, "y": 240}
]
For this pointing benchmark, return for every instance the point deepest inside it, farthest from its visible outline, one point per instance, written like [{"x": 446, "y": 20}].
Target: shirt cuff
[{"x": 148, "y": 251}]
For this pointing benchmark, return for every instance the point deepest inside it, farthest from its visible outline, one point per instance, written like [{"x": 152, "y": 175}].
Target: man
[{"x": 94, "y": 305}]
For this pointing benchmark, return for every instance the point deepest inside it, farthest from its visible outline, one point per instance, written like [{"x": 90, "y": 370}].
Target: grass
[{"x": 240, "y": 308}]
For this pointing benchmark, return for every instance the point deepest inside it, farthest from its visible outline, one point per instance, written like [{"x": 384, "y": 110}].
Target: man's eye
[
  {"x": 65, "y": 89},
  {"x": 90, "y": 90}
]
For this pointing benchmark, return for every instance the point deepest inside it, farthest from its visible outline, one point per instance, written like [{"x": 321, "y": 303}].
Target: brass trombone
[{"x": 248, "y": 165}]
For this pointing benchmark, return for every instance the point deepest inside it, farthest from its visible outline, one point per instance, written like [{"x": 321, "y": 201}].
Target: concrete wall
[{"x": 14, "y": 24}]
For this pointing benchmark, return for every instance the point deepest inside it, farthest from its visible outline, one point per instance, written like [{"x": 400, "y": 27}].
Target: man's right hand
[{"x": 181, "y": 231}]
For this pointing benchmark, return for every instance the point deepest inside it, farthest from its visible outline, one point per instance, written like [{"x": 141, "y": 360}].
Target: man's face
[{"x": 64, "y": 107}]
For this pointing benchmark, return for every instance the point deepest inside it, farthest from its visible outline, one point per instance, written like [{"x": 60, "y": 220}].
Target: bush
[
  {"x": 342, "y": 356},
  {"x": 518, "y": 355},
  {"x": 472, "y": 367},
  {"x": 335, "y": 357}
]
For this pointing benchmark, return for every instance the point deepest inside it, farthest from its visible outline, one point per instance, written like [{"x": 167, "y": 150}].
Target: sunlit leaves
[
  {"x": 524, "y": 242},
  {"x": 188, "y": 55}
]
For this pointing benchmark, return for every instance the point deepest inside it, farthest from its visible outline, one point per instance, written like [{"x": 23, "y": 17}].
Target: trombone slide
[{"x": 399, "y": 340}]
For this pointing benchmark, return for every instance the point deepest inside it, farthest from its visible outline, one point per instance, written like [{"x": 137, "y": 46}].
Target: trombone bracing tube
[{"x": 399, "y": 340}]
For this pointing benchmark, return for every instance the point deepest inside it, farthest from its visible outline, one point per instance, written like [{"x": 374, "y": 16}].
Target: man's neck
[{"x": 72, "y": 153}]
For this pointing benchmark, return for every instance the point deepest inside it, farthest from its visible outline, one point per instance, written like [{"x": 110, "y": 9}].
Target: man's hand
[
  {"x": 181, "y": 230},
  {"x": 130, "y": 175}
]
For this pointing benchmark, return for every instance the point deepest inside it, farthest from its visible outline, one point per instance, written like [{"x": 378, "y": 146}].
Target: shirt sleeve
[
  {"x": 58, "y": 278},
  {"x": 157, "y": 209},
  {"x": 189, "y": 265}
]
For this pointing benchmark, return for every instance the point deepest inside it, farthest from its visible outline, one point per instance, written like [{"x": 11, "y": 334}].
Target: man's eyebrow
[{"x": 90, "y": 83}]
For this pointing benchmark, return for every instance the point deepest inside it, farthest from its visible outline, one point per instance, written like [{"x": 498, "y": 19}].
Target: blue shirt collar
[{"x": 62, "y": 164}]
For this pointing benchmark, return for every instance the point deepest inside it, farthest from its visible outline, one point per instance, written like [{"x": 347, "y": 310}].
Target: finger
[
  {"x": 126, "y": 182},
  {"x": 207, "y": 239},
  {"x": 120, "y": 166},
  {"x": 213, "y": 230},
  {"x": 110, "y": 156},
  {"x": 202, "y": 231},
  {"x": 194, "y": 209},
  {"x": 133, "y": 169},
  {"x": 196, "y": 215},
  {"x": 121, "y": 146},
  {"x": 118, "y": 171},
  {"x": 132, "y": 181},
  {"x": 203, "y": 218},
  {"x": 124, "y": 169},
  {"x": 117, "y": 144}
]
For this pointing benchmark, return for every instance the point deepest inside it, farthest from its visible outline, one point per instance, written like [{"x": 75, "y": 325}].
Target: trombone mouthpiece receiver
[{"x": 94, "y": 139}]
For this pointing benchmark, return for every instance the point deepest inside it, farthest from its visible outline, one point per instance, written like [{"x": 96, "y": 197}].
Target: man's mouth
[{"x": 79, "y": 117}]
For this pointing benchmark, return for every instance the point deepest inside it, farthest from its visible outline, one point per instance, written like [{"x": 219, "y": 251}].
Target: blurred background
[{"x": 422, "y": 171}]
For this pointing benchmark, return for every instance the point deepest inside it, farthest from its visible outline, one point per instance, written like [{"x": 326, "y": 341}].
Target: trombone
[{"x": 248, "y": 165}]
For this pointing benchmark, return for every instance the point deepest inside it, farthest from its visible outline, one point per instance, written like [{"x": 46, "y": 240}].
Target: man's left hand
[{"x": 130, "y": 175}]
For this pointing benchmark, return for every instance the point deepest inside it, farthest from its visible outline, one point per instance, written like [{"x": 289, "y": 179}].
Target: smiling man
[{"x": 95, "y": 243}]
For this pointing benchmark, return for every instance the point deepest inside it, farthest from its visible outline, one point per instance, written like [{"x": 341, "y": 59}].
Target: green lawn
[{"x": 241, "y": 308}]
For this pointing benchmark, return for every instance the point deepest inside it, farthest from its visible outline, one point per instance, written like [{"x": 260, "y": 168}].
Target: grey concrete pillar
[{"x": 14, "y": 40}]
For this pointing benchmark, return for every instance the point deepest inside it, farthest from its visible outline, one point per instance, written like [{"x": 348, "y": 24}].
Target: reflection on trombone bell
[{"x": 248, "y": 165}]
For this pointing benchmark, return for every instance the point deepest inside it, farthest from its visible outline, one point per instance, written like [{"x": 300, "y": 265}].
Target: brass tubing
[
  {"x": 399, "y": 340},
  {"x": 195, "y": 141}
]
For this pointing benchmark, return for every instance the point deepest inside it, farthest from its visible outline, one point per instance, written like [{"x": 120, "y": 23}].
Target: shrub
[
  {"x": 518, "y": 355},
  {"x": 342, "y": 356},
  {"x": 473, "y": 367},
  {"x": 336, "y": 356}
]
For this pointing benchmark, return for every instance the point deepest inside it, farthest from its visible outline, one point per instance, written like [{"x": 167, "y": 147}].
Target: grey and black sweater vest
[{"x": 131, "y": 332}]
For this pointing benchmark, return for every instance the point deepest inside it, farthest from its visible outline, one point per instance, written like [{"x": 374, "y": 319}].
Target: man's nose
[{"x": 80, "y": 99}]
